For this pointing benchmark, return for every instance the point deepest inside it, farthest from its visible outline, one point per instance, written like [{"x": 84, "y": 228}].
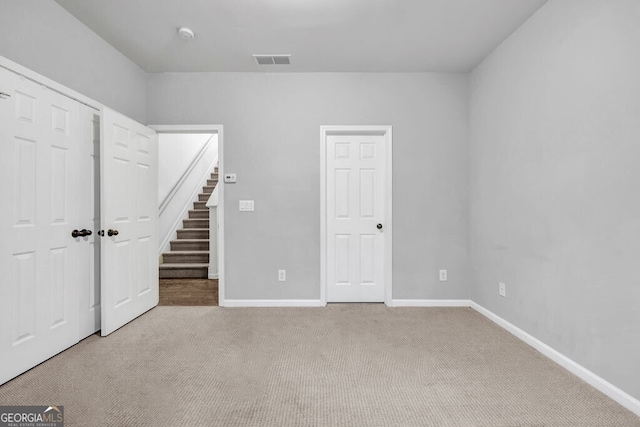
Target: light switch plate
[
  {"x": 246, "y": 205},
  {"x": 502, "y": 289},
  {"x": 229, "y": 178}
]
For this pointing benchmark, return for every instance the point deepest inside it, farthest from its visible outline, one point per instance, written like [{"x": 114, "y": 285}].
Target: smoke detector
[
  {"x": 186, "y": 33},
  {"x": 284, "y": 59}
]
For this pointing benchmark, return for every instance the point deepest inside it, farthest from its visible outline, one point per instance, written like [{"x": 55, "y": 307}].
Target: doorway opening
[{"x": 190, "y": 197}]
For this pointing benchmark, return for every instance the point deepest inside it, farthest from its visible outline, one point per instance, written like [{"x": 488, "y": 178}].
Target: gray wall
[
  {"x": 42, "y": 36},
  {"x": 272, "y": 141},
  {"x": 555, "y": 183}
]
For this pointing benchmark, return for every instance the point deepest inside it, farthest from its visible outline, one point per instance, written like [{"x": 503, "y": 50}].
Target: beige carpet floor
[{"x": 344, "y": 365}]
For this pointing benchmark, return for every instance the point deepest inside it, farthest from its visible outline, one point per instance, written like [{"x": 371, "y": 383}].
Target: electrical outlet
[
  {"x": 282, "y": 275},
  {"x": 502, "y": 290},
  {"x": 443, "y": 275}
]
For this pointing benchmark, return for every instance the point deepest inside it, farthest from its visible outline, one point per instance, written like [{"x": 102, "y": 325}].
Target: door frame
[
  {"x": 47, "y": 82},
  {"x": 217, "y": 129},
  {"x": 386, "y": 132}
]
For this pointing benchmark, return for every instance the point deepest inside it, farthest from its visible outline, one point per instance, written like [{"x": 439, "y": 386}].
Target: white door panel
[
  {"x": 89, "y": 268},
  {"x": 128, "y": 191},
  {"x": 355, "y": 206},
  {"x": 38, "y": 257}
]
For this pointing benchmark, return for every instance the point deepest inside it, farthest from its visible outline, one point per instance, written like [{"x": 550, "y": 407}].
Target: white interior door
[
  {"x": 128, "y": 192},
  {"x": 38, "y": 256},
  {"x": 355, "y": 218},
  {"x": 89, "y": 180}
]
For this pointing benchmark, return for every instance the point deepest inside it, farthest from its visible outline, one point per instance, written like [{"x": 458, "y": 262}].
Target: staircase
[{"x": 189, "y": 255}]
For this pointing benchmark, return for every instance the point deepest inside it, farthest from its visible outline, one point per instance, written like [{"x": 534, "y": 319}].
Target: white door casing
[
  {"x": 88, "y": 181},
  {"x": 128, "y": 192},
  {"x": 39, "y": 192},
  {"x": 356, "y": 214}
]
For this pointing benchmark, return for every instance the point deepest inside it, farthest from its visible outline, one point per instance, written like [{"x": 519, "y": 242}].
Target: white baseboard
[
  {"x": 575, "y": 368},
  {"x": 272, "y": 303},
  {"x": 213, "y": 276},
  {"x": 430, "y": 303}
]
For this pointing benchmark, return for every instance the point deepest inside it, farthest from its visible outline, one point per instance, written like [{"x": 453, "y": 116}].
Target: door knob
[
  {"x": 101, "y": 233},
  {"x": 82, "y": 233},
  {"x": 379, "y": 226},
  {"x": 112, "y": 232}
]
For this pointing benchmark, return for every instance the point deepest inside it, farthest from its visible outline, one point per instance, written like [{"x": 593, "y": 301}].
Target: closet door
[
  {"x": 128, "y": 192},
  {"x": 39, "y": 136},
  {"x": 89, "y": 268}
]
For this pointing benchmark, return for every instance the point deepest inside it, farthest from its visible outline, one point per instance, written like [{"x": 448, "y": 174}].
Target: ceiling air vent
[{"x": 273, "y": 59}]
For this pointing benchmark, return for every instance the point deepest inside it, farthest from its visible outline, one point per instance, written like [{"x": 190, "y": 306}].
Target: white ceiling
[{"x": 322, "y": 35}]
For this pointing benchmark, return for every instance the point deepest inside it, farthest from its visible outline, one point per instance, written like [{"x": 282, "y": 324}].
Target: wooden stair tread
[
  {"x": 199, "y": 223},
  {"x": 199, "y": 214},
  {"x": 187, "y": 252},
  {"x": 178, "y": 266}
]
